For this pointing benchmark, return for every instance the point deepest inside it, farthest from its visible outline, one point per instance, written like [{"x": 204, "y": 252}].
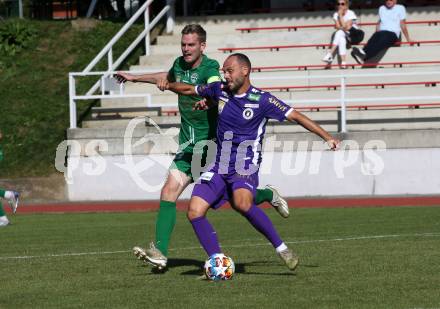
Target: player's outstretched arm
[
  {"x": 182, "y": 88},
  {"x": 151, "y": 78},
  {"x": 312, "y": 126}
]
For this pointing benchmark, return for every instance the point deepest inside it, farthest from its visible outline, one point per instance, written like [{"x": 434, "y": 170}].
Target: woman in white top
[{"x": 345, "y": 20}]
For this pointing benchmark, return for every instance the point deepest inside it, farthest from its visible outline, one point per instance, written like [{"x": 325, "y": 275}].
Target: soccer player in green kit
[
  {"x": 193, "y": 67},
  {"x": 11, "y": 196}
]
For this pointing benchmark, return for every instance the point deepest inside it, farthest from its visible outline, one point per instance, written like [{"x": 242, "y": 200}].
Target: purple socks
[
  {"x": 261, "y": 222},
  {"x": 206, "y": 235}
]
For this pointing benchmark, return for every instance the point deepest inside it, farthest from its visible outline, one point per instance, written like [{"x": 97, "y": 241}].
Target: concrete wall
[{"x": 301, "y": 173}]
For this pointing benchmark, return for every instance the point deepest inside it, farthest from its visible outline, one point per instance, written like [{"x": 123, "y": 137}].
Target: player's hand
[
  {"x": 162, "y": 84},
  {"x": 201, "y": 105},
  {"x": 123, "y": 77},
  {"x": 333, "y": 143}
]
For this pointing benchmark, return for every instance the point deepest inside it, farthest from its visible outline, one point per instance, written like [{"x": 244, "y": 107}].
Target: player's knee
[
  {"x": 194, "y": 213},
  {"x": 242, "y": 205},
  {"x": 169, "y": 191}
]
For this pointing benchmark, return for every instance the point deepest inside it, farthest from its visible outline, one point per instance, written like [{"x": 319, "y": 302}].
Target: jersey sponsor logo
[
  {"x": 277, "y": 103},
  {"x": 194, "y": 78},
  {"x": 248, "y": 113},
  {"x": 207, "y": 176},
  {"x": 251, "y": 105},
  {"x": 178, "y": 78},
  {"x": 254, "y": 97}
]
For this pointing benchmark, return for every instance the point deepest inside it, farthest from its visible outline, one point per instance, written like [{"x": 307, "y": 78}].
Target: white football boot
[
  {"x": 13, "y": 201},
  {"x": 151, "y": 256},
  {"x": 278, "y": 202},
  {"x": 4, "y": 221},
  {"x": 289, "y": 258}
]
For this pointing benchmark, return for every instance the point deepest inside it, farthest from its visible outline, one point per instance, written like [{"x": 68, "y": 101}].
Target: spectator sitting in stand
[
  {"x": 391, "y": 21},
  {"x": 347, "y": 33}
]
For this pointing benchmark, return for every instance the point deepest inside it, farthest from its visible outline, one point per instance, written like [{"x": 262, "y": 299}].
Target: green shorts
[{"x": 182, "y": 161}]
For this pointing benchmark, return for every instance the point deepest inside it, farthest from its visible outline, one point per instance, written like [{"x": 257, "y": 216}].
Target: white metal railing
[
  {"x": 108, "y": 50},
  {"x": 343, "y": 99},
  {"x": 114, "y": 91}
]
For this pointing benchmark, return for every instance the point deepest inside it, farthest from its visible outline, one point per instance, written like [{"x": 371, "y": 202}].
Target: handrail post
[
  {"x": 147, "y": 36},
  {"x": 20, "y": 8},
  {"x": 110, "y": 59},
  {"x": 343, "y": 106},
  {"x": 72, "y": 103},
  {"x": 170, "y": 16}
]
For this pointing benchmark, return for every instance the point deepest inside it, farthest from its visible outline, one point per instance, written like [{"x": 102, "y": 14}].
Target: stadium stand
[
  {"x": 280, "y": 71},
  {"x": 395, "y": 100}
]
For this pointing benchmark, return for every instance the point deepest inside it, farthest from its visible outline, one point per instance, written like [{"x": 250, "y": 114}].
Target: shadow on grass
[{"x": 240, "y": 268}]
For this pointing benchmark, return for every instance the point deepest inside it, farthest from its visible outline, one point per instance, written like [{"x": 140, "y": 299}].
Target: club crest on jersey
[
  {"x": 248, "y": 113},
  {"x": 194, "y": 78}
]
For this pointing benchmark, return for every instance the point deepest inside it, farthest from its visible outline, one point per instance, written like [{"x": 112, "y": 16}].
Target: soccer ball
[{"x": 219, "y": 267}]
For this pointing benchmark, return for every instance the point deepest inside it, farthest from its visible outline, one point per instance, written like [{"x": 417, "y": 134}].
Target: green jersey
[{"x": 195, "y": 125}]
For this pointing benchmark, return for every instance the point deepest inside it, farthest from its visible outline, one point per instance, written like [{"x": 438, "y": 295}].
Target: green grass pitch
[{"x": 350, "y": 258}]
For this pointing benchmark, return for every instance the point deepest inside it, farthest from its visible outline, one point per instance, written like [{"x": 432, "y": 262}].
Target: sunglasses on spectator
[{"x": 341, "y": 3}]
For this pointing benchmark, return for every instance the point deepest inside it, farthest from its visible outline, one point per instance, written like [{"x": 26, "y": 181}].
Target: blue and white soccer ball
[{"x": 219, "y": 267}]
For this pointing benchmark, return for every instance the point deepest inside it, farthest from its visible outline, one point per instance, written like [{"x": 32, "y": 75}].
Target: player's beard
[{"x": 234, "y": 85}]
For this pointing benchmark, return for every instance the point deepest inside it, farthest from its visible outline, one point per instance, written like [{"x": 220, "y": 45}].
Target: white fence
[{"x": 108, "y": 51}]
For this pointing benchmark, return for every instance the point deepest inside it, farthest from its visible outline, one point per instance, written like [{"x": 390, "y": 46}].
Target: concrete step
[
  {"x": 169, "y": 99},
  {"x": 312, "y": 77},
  {"x": 124, "y": 112},
  {"x": 360, "y": 120},
  {"x": 303, "y": 56},
  {"x": 284, "y": 37},
  {"x": 405, "y": 119},
  {"x": 314, "y": 36},
  {"x": 299, "y": 18},
  {"x": 393, "y": 138},
  {"x": 123, "y": 102},
  {"x": 365, "y": 93}
]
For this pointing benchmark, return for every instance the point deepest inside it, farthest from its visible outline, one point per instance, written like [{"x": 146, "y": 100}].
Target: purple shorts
[{"x": 217, "y": 189}]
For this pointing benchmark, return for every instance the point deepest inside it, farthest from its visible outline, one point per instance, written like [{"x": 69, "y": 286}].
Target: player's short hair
[
  {"x": 197, "y": 29},
  {"x": 242, "y": 59}
]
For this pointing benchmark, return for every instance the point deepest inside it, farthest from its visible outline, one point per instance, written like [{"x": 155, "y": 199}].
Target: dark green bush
[{"x": 15, "y": 35}]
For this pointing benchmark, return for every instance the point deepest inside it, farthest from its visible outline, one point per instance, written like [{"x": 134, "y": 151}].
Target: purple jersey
[{"x": 241, "y": 125}]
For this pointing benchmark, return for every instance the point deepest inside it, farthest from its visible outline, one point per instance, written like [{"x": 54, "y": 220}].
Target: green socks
[
  {"x": 2, "y": 211},
  {"x": 166, "y": 219},
  {"x": 263, "y": 195}
]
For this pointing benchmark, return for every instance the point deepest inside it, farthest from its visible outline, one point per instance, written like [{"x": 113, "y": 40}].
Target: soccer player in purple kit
[{"x": 243, "y": 113}]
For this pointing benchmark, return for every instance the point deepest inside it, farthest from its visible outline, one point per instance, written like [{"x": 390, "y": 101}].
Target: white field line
[{"x": 229, "y": 246}]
